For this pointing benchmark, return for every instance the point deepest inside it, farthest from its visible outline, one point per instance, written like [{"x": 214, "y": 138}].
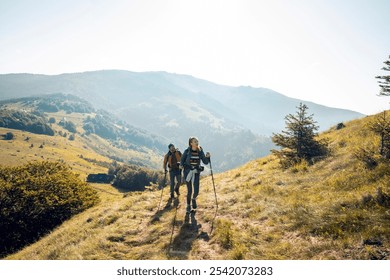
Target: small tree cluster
[
  {"x": 25, "y": 121},
  {"x": 101, "y": 125},
  {"x": 66, "y": 102},
  {"x": 298, "y": 140},
  {"x": 46, "y": 106},
  {"x": 62, "y": 134},
  {"x": 68, "y": 125},
  {"x": 134, "y": 178}
]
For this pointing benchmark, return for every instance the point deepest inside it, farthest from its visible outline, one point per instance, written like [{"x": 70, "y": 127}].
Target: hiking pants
[
  {"x": 195, "y": 188},
  {"x": 175, "y": 174}
]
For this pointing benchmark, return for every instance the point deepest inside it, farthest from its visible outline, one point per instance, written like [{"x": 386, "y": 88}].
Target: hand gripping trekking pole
[{"x": 215, "y": 194}]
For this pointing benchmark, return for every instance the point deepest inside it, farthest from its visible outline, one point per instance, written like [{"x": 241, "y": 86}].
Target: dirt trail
[{"x": 187, "y": 229}]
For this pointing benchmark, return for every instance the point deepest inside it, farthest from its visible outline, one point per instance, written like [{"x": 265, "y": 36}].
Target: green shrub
[
  {"x": 224, "y": 233},
  {"x": 301, "y": 166},
  {"x": 37, "y": 197},
  {"x": 135, "y": 178},
  {"x": 9, "y": 136},
  {"x": 367, "y": 157}
]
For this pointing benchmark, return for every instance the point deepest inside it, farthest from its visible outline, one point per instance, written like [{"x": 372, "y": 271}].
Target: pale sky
[{"x": 328, "y": 52}]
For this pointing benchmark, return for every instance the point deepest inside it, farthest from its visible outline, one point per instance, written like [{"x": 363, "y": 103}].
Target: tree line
[{"x": 33, "y": 122}]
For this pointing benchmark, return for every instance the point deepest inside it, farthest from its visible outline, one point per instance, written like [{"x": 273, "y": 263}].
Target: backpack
[{"x": 173, "y": 160}]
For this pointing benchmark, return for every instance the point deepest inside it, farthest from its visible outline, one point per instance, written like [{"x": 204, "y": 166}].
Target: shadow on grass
[
  {"x": 188, "y": 233},
  {"x": 172, "y": 203}
]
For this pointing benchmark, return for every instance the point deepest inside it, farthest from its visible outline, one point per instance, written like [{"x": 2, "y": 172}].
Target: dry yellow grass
[
  {"x": 307, "y": 212},
  {"x": 19, "y": 151}
]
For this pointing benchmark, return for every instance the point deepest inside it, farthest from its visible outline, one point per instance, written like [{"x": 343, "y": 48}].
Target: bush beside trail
[
  {"x": 135, "y": 178},
  {"x": 37, "y": 197}
]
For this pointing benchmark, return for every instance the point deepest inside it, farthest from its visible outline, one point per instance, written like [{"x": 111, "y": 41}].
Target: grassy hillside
[
  {"x": 106, "y": 139},
  {"x": 334, "y": 209},
  {"x": 26, "y": 147}
]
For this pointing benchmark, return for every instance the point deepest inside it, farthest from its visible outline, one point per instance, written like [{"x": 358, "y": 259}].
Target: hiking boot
[
  {"x": 177, "y": 191},
  {"x": 188, "y": 209},
  {"x": 194, "y": 205},
  {"x": 172, "y": 195}
]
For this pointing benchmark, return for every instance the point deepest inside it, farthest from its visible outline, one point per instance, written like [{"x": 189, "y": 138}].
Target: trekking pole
[
  {"x": 212, "y": 178},
  {"x": 215, "y": 194},
  {"x": 162, "y": 189}
]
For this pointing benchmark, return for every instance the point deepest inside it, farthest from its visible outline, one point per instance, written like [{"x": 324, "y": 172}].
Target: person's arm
[
  {"x": 178, "y": 156},
  {"x": 183, "y": 158},
  {"x": 165, "y": 162},
  {"x": 204, "y": 159}
]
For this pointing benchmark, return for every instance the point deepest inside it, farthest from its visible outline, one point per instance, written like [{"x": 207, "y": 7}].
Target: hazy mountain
[
  {"x": 228, "y": 120},
  {"x": 259, "y": 109},
  {"x": 61, "y": 115}
]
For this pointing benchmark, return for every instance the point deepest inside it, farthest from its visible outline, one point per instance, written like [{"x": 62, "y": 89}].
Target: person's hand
[
  {"x": 180, "y": 166},
  {"x": 207, "y": 154},
  {"x": 165, "y": 171}
]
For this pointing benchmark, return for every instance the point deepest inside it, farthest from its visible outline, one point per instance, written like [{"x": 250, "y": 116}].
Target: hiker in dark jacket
[
  {"x": 190, "y": 161},
  {"x": 172, "y": 158}
]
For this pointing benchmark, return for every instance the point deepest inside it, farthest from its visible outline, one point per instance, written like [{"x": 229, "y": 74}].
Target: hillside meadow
[
  {"x": 336, "y": 208},
  {"x": 67, "y": 117},
  {"x": 26, "y": 147}
]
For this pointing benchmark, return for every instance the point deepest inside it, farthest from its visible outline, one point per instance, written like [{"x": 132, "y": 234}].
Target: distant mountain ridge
[
  {"x": 228, "y": 120},
  {"x": 259, "y": 109}
]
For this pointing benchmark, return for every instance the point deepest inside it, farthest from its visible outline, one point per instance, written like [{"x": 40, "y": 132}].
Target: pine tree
[
  {"x": 381, "y": 126},
  {"x": 298, "y": 140},
  {"x": 384, "y": 82}
]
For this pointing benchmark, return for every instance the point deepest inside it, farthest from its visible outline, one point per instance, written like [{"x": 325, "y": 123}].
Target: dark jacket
[{"x": 185, "y": 159}]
